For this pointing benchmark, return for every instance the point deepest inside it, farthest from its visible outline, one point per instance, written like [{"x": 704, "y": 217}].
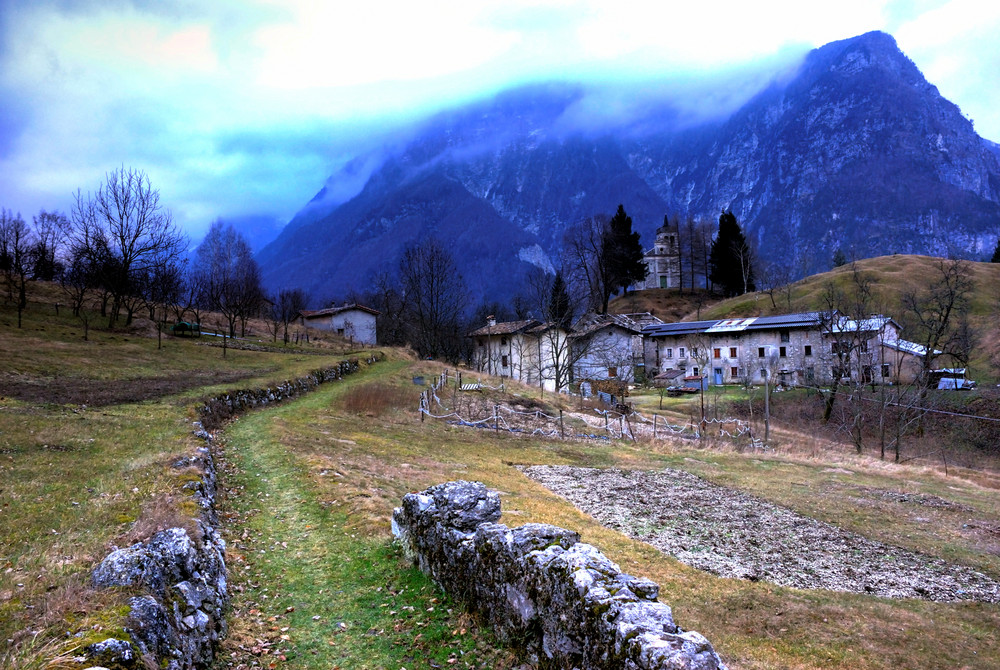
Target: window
[
  {"x": 810, "y": 373},
  {"x": 784, "y": 336},
  {"x": 782, "y": 351},
  {"x": 734, "y": 372},
  {"x": 670, "y": 352},
  {"x": 885, "y": 370},
  {"x": 809, "y": 350},
  {"x": 760, "y": 352},
  {"x": 717, "y": 352},
  {"x": 763, "y": 373},
  {"x": 680, "y": 352},
  {"x": 694, "y": 351},
  {"x": 732, "y": 352},
  {"x": 503, "y": 342},
  {"x": 694, "y": 371},
  {"x": 503, "y": 360},
  {"x": 663, "y": 281}
]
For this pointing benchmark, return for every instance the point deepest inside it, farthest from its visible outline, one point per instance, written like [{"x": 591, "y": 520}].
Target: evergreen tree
[
  {"x": 996, "y": 253},
  {"x": 839, "y": 258},
  {"x": 560, "y": 310},
  {"x": 731, "y": 259},
  {"x": 624, "y": 252}
]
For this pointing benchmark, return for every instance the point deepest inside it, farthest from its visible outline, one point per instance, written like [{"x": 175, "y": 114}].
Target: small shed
[{"x": 669, "y": 378}]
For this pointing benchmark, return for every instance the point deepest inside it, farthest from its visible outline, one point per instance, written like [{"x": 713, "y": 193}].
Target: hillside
[
  {"x": 854, "y": 152},
  {"x": 310, "y": 484}
]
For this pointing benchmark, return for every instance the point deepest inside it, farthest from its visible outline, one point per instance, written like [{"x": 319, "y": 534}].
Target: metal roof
[
  {"x": 677, "y": 328},
  {"x": 778, "y": 321}
]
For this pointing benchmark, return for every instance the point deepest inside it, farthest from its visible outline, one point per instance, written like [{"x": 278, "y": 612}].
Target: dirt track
[{"x": 733, "y": 534}]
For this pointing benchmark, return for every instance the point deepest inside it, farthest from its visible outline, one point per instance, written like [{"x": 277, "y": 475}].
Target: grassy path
[{"x": 311, "y": 590}]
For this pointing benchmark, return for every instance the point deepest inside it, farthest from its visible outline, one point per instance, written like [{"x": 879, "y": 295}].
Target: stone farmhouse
[
  {"x": 355, "y": 322},
  {"x": 529, "y": 351},
  {"x": 798, "y": 349},
  {"x": 606, "y": 346}
]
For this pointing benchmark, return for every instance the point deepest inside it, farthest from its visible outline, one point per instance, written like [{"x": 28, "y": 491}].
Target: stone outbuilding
[{"x": 353, "y": 321}]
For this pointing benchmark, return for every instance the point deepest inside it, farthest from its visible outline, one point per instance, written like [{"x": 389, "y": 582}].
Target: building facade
[
  {"x": 663, "y": 260},
  {"x": 793, "y": 349},
  {"x": 354, "y": 322},
  {"x": 529, "y": 351}
]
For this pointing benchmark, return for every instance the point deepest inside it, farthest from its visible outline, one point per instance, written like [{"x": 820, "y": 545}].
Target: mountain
[{"x": 855, "y": 151}]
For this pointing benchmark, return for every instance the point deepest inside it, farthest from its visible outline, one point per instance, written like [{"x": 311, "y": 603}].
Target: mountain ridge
[{"x": 854, "y": 151}]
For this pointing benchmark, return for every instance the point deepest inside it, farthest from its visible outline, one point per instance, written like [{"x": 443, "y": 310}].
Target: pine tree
[
  {"x": 559, "y": 309},
  {"x": 624, "y": 252},
  {"x": 731, "y": 259},
  {"x": 996, "y": 253}
]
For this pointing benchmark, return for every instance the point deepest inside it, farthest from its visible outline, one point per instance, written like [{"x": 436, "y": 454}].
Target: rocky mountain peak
[{"x": 856, "y": 152}]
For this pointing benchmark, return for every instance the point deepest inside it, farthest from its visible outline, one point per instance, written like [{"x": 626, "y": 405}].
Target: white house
[
  {"x": 355, "y": 322},
  {"x": 530, "y": 351},
  {"x": 606, "y": 346}
]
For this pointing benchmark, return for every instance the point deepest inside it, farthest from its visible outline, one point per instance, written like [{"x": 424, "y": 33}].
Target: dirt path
[{"x": 733, "y": 534}]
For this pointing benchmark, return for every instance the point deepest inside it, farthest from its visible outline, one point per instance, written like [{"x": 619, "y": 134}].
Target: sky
[{"x": 240, "y": 108}]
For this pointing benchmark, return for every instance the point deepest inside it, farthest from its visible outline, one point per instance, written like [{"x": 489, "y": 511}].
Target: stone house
[
  {"x": 529, "y": 351},
  {"x": 353, "y": 321},
  {"x": 606, "y": 346},
  {"x": 800, "y": 348}
]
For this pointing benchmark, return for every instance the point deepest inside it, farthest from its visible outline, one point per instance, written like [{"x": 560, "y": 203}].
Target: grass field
[{"x": 308, "y": 491}]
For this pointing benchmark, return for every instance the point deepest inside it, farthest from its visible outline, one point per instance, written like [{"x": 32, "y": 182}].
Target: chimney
[{"x": 491, "y": 321}]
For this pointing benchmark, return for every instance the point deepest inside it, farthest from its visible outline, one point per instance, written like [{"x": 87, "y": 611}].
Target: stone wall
[
  {"x": 178, "y": 614},
  {"x": 542, "y": 590}
]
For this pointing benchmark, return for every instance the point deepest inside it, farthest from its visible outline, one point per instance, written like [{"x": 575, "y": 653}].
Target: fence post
[
  {"x": 562, "y": 429},
  {"x": 654, "y": 426},
  {"x": 607, "y": 428},
  {"x": 422, "y": 413},
  {"x": 496, "y": 418}
]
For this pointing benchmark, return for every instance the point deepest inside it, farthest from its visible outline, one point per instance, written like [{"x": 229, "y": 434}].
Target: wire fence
[{"x": 602, "y": 424}]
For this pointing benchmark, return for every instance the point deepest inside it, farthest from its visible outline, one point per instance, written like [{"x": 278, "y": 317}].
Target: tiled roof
[
  {"x": 330, "y": 311},
  {"x": 505, "y": 328}
]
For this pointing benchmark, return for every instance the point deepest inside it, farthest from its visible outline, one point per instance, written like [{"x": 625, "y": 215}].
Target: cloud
[{"x": 240, "y": 106}]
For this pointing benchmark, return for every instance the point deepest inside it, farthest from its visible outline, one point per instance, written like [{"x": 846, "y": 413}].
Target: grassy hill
[{"x": 89, "y": 429}]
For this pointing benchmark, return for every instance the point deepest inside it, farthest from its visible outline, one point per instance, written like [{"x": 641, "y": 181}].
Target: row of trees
[{"x": 120, "y": 249}]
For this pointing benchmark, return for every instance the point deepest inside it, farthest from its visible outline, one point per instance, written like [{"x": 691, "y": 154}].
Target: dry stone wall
[
  {"x": 180, "y": 575},
  {"x": 560, "y": 600}
]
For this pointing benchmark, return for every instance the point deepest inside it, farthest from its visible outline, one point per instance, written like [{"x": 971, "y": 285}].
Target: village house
[
  {"x": 608, "y": 346},
  {"x": 529, "y": 351},
  {"x": 355, "y": 322},
  {"x": 796, "y": 349}
]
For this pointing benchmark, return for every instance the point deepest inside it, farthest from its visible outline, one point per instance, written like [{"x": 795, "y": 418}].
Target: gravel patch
[{"x": 732, "y": 534}]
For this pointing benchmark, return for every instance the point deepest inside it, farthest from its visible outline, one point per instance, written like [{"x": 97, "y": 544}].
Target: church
[{"x": 663, "y": 261}]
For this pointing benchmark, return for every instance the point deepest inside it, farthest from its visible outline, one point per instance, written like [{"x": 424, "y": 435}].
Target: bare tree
[
  {"x": 386, "y": 297},
  {"x": 586, "y": 262},
  {"x": 936, "y": 316},
  {"x": 126, "y": 228},
  {"x": 435, "y": 298},
  {"x": 229, "y": 276},
  {"x": 52, "y": 229},
  {"x": 16, "y": 243}
]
